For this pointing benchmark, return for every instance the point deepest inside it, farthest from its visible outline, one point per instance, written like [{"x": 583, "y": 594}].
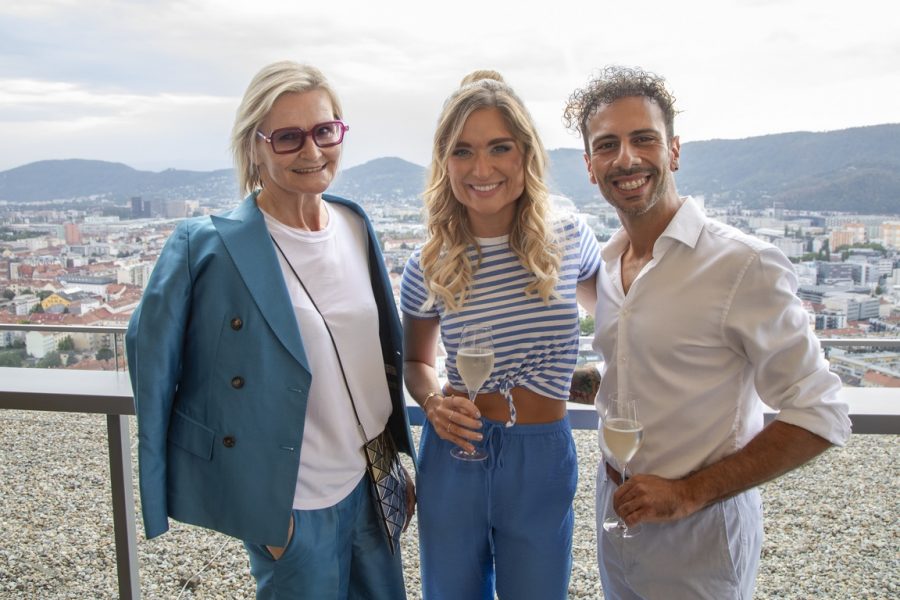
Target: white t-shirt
[
  {"x": 333, "y": 264},
  {"x": 709, "y": 327}
]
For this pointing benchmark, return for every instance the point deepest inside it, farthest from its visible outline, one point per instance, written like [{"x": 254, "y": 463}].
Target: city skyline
[{"x": 155, "y": 84}]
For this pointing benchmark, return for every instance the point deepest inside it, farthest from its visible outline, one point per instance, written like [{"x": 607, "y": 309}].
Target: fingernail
[{"x": 477, "y": 415}]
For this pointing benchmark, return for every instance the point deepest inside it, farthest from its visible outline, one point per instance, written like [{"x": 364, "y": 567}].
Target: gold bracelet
[{"x": 428, "y": 397}]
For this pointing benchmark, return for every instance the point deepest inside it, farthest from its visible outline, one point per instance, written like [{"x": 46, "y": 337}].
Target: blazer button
[
  {"x": 228, "y": 441},
  {"x": 237, "y": 323},
  {"x": 237, "y": 382}
]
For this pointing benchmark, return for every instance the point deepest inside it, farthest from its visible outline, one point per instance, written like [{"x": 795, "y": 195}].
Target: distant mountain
[
  {"x": 854, "y": 169},
  {"x": 849, "y": 170},
  {"x": 568, "y": 176},
  {"x": 74, "y": 178},
  {"x": 381, "y": 180}
]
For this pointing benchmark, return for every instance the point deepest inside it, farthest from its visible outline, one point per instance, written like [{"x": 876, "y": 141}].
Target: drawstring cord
[
  {"x": 493, "y": 444},
  {"x": 506, "y": 387}
]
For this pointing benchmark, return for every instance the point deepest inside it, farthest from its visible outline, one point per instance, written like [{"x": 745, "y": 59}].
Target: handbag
[{"x": 387, "y": 478}]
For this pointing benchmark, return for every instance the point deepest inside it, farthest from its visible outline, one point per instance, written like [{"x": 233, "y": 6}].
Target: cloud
[
  {"x": 69, "y": 120},
  {"x": 156, "y": 82}
]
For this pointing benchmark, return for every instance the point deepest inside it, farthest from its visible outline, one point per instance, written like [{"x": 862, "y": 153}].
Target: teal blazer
[{"x": 220, "y": 378}]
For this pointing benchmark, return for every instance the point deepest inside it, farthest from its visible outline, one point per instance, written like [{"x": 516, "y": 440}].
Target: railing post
[{"x": 123, "y": 506}]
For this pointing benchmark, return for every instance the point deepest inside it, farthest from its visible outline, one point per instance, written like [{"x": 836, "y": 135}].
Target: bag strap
[{"x": 359, "y": 424}]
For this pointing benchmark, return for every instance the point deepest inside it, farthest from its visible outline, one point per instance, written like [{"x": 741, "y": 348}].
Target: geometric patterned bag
[{"x": 388, "y": 486}]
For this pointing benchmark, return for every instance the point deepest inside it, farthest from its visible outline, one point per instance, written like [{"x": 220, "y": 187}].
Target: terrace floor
[{"x": 832, "y": 529}]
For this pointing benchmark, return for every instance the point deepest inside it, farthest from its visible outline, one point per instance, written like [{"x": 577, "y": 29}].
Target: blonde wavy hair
[
  {"x": 264, "y": 89},
  {"x": 446, "y": 268}
]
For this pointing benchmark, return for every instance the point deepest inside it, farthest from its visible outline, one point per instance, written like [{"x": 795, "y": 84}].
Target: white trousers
[{"x": 712, "y": 554}]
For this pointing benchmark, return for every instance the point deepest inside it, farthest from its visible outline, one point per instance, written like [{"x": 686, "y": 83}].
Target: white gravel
[{"x": 831, "y": 528}]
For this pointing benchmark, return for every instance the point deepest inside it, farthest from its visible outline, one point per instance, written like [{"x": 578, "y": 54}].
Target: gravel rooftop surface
[{"x": 831, "y": 527}]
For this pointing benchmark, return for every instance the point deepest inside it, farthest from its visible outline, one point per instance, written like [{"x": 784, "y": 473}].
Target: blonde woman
[{"x": 495, "y": 256}]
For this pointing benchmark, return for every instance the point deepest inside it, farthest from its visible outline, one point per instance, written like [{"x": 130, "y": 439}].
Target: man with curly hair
[{"x": 701, "y": 323}]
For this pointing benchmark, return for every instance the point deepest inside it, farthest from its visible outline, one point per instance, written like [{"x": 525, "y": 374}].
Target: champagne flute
[
  {"x": 623, "y": 434},
  {"x": 474, "y": 361}
]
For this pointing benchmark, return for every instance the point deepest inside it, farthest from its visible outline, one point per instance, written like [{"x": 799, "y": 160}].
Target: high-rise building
[
  {"x": 830, "y": 319},
  {"x": 175, "y": 209},
  {"x": 136, "y": 274},
  {"x": 847, "y": 235},
  {"x": 140, "y": 208},
  {"x": 838, "y": 271},
  {"x": 73, "y": 234},
  {"x": 137, "y": 207},
  {"x": 890, "y": 234}
]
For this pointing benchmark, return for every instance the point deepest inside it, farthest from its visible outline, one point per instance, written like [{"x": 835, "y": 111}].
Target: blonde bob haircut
[
  {"x": 446, "y": 268},
  {"x": 264, "y": 89}
]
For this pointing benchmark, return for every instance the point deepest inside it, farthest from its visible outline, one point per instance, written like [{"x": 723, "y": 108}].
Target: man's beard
[{"x": 659, "y": 188}]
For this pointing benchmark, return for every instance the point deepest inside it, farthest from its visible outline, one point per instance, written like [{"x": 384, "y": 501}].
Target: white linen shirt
[{"x": 711, "y": 325}]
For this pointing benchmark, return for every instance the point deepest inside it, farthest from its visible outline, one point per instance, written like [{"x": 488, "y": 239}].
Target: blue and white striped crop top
[{"x": 535, "y": 345}]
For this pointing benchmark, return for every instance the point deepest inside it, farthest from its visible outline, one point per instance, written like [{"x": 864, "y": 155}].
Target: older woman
[
  {"x": 244, "y": 409},
  {"x": 495, "y": 256}
]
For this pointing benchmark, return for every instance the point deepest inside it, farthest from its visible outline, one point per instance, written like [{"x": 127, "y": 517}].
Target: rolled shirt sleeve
[{"x": 768, "y": 323}]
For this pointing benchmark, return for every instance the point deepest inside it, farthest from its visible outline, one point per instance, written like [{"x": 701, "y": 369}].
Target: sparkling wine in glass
[
  {"x": 623, "y": 434},
  {"x": 474, "y": 361}
]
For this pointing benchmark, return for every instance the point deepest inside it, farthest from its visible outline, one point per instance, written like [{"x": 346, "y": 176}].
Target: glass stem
[{"x": 624, "y": 479}]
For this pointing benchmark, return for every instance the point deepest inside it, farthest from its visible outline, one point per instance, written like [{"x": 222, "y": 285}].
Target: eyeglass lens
[{"x": 293, "y": 138}]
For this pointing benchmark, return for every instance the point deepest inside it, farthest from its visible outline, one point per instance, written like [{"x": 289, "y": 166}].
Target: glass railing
[
  {"x": 89, "y": 347},
  {"x": 101, "y": 348}
]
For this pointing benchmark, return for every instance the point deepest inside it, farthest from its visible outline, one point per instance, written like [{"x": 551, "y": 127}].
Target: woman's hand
[{"x": 455, "y": 419}]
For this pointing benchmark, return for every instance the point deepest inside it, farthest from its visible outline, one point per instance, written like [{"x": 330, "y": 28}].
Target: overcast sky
[{"x": 154, "y": 84}]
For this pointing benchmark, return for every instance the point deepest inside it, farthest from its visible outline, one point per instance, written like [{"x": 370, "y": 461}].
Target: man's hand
[
  {"x": 652, "y": 499},
  {"x": 585, "y": 383}
]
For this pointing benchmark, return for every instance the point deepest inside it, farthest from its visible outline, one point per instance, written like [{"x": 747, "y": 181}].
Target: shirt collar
[{"x": 685, "y": 227}]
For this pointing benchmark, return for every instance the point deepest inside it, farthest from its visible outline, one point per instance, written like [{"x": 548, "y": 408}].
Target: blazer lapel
[{"x": 246, "y": 237}]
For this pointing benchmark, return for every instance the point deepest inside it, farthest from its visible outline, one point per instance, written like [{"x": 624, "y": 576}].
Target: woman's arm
[
  {"x": 454, "y": 419},
  {"x": 420, "y": 337}
]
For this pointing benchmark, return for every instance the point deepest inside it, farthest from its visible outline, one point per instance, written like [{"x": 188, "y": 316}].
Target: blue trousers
[
  {"x": 712, "y": 554},
  {"x": 336, "y": 553},
  {"x": 504, "y": 523}
]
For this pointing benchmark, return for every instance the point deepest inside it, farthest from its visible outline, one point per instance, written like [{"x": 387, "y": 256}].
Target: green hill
[{"x": 855, "y": 170}]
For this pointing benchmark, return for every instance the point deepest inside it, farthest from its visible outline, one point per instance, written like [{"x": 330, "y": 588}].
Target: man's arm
[
  {"x": 777, "y": 449},
  {"x": 768, "y": 324}
]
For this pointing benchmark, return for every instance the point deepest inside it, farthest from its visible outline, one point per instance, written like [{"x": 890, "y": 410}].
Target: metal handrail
[
  {"x": 114, "y": 329},
  {"x": 882, "y": 342},
  {"x": 886, "y": 342}
]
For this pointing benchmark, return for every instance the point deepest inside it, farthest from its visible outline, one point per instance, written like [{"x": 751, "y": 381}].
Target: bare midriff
[{"x": 531, "y": 407}]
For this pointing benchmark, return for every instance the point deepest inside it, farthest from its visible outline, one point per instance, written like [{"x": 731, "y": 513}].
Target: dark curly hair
[{"x": 609, "y": 85}]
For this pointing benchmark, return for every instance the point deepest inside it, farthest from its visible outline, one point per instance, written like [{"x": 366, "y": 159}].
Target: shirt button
[
  {"x": 237, "y": 323},
  {"x": 228, "y": 441},
  {"x": 237, "y": 382}
]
